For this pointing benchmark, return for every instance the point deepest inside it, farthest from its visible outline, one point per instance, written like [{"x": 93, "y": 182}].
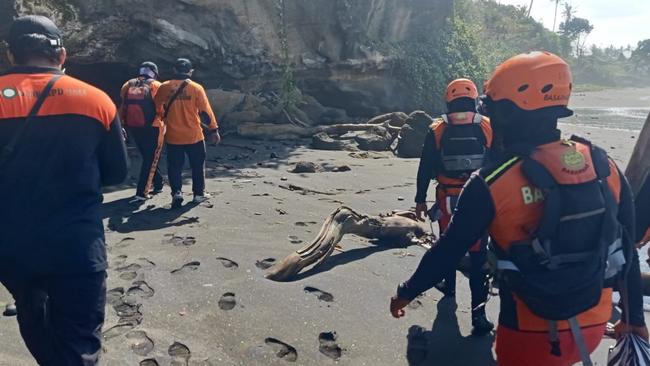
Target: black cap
[
  {"x": 151, "y": 66},
  {"x": 182, "y": 66},
  {"x": 34, "y": 24}
]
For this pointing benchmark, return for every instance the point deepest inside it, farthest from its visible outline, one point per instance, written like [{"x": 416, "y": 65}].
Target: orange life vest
[{"x": 520, "y": 207}]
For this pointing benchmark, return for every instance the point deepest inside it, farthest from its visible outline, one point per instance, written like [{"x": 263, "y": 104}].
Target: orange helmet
[
  {"x": 532, "y": 81},
  {"x": 461, "y": 88}
]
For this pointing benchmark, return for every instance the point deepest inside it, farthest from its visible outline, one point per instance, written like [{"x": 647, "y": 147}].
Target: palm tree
[{"x": 557, "y": 3}]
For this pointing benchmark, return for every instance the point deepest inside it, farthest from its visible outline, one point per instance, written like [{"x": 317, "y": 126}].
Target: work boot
[
  {"x": 481, "y": 325},
  {"x": 177, "y": 200}
]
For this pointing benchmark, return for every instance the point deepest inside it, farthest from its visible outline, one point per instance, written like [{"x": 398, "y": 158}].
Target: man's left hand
[
  {"x": 215, "y": 138},
  {"x": 397, "y": 306}
]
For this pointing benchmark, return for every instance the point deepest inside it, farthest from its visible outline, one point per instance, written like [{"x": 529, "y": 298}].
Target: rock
[
  {"x": 305, "y": 167},
  {"x": 323, "y": 141},
  {"x": 235, "y": 45},
  {"x": 273, "y": 156},
  {"x": 10, "y": 310},
  {"x": 412, "y": 135},
  {"x": 224, "y": 102},
  {"x": 377, "y": 139},
  {"x": 396, "y": 119},
  {"x": 341, "y": 168},
  {"x": 235, "y": 118}
]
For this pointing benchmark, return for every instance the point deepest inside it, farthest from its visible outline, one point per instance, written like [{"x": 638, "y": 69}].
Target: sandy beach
[{"x": 193, "y": 277}]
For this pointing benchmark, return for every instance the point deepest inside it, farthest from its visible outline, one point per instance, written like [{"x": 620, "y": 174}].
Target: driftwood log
[
  {"x": 270, "y": 131},
  {"x": 398, "y": 229}
]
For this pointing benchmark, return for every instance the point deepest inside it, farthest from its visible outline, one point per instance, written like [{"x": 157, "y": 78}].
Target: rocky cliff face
[{"x": 237, "y": 45}]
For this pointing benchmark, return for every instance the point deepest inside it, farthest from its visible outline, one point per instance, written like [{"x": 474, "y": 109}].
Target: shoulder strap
[
  {"x": 8, "y": 150},
  {"x": 174, "y": 97}
]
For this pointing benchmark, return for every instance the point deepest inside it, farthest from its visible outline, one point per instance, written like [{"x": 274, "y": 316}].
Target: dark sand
[{"x": 193, "y": 278}]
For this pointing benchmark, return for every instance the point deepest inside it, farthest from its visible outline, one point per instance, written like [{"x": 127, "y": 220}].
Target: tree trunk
[{"x": 270, "y": 131}]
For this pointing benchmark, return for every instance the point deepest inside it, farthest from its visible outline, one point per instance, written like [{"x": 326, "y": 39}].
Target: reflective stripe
[
  {"x": 582, "y": 215},
  {"x": 507, "y": 266},
  {"x": 503, "y": 167}
]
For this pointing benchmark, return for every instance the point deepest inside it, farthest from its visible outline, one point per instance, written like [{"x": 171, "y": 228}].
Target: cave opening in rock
[{"x": 107, "y": 76}]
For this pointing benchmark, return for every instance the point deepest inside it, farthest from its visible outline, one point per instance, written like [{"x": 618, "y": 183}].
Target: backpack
[
  {"x": 463, "y": 147},
  {"x": 139, "y": 104},
  {"x": 576, "y": 251}
]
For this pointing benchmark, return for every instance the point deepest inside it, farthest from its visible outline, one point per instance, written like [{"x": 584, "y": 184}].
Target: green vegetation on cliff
[{"x": 480, "y": 34}]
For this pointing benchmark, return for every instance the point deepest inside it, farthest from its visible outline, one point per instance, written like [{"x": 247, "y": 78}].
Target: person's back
[
  {"x": 185, "y": 109},
  {"x": 145, "y": 128},
  {"x": 184, "y": 119},
  {"x": 61, "y": 141},
  {"x": 51, "y": 187}
]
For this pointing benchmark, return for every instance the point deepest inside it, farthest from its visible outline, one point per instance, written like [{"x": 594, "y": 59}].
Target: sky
[{"x": 617, "y": 22}]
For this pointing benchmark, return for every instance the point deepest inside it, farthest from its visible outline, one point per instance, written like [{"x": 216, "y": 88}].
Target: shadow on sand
[
  {"x": 126, "y": 217},
  {"x": 444, "y": 345}
]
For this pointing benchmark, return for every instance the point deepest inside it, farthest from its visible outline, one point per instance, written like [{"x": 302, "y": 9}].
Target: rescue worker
[
  {"x": 457, "y": 144},
  {"x": 185, "y": 109},
  {"x": 138, "y": 113},
  {"x": 552, "y": 208},
  {"x": 61, "y": 141}
]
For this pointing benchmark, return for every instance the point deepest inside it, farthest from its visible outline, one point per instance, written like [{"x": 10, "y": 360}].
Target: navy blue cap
[
  {"x": 34, "y": 24},
  {"x": 182, "y": 66}
]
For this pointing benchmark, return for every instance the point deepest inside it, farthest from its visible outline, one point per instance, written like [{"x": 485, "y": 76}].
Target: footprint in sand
[
  {"x": 117, "y": 330},
  {"x": 418, "y": 345},
  {"x": 227, "y": 301},
  {"x": 187, "y": 267},
  {"x": 129, "y": 268},
  {"x": 114, "y": 296},
  {"x": 124, "y": 243},
  {"x": 265, "y": 264},
  {"x": 322, "y": 295},
  {"x": 129, "y": 313},
  {"x": 146, "y": 263},
  {"x": 303, "y": 223},
  {"x": 282, "y": 350},
  {"x": 149, "y": 362},
  {"x": 179, "y": 353},
  {"x": 294, "y": 239},
  {"x": 177, "y": 240},
  {"x": 140, "y": 342},
  {"x": 328, "y": 345},
  {"x": 141, "y": 289},
  {"x": 228, "y": 263},
  {"x": 128, "y": 276}
]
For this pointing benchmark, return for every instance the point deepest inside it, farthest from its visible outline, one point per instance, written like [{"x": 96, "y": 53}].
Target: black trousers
[
  {"x": 478, "y": 278},
  {"x": 175, "y": 161},
  {"x": 60, "y": 316},
  {"x": 149, "y": 143}
]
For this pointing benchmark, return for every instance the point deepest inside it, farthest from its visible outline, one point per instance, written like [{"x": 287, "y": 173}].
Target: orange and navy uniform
[
  {"x": 154, "y": 84},
  {"x": 51, "y": 219},
  {"x": 187, "y": 114},
  {"x": 501, "y": 200},
  {"x": 431, "y": 167}
]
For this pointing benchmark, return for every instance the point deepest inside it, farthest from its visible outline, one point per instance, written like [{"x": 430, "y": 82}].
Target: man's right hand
[{"x": 421, "y": 210}]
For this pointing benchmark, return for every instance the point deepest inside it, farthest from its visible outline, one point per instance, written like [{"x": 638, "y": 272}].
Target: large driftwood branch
[
  {"x": 399, "y": 228},
  {"x": 270, "y": 131}
]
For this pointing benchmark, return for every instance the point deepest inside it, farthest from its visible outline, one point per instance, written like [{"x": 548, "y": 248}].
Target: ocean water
[{"x": 624, "y": 118}]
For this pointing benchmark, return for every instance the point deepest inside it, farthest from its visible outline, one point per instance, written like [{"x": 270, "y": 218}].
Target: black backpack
[
  {"x": 463, "y": 148},
  {"x": 576, "y": 252},
  {"x": 139, "y": 104}
]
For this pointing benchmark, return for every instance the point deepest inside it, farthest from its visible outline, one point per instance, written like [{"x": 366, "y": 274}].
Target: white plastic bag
[{"x": 630, "y": 350}]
